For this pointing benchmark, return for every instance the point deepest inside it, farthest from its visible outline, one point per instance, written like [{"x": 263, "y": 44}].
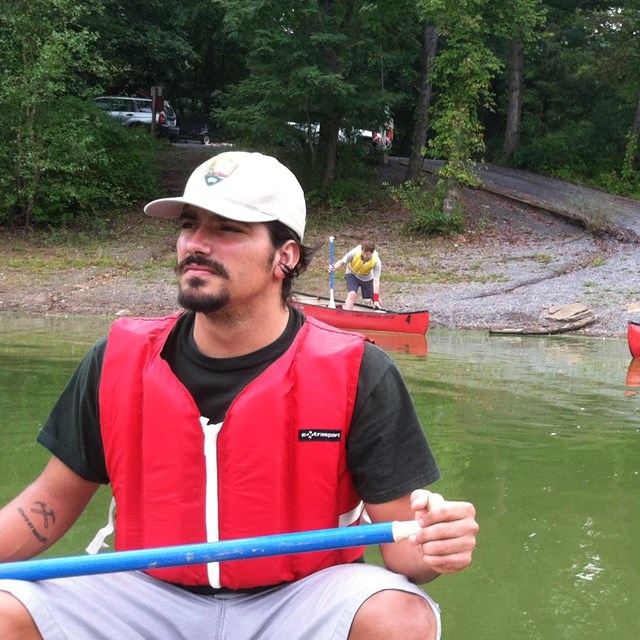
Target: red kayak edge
[{"x": 633, "y": 336}]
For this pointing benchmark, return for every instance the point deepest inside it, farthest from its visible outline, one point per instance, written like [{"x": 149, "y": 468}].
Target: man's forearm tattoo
[{"x": 48, "y": 519}]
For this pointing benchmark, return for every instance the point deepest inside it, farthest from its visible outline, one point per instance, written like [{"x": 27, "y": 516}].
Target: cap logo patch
[{"x": 219, "y": 169}]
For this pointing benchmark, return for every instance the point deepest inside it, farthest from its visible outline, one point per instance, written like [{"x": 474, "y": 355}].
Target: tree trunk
[
  {"x": 329, "y": 130},
  {"x": 451, "y": 201},
  {"x": 514, "y": 102},
  {"x": 429, "y": 46},
  {"x": 631, "y": 156}
]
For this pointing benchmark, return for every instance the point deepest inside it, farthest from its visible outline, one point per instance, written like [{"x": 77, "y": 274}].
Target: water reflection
[
  {"x": 539, "y": 432},
  {"x": 410, "y": 344},
  {"x": 633, "y": 377}
]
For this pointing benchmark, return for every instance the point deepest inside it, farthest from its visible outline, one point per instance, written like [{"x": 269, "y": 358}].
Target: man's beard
[
  {"x": 190, "y": 295},
  {"x": 191, "y": 298}
]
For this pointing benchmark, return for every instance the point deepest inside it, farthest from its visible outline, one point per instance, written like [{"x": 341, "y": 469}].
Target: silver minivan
[{"x": 134, "y": 111}]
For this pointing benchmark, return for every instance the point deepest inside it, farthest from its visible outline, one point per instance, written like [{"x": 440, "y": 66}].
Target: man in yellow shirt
[{"x": 363, "y": 272}]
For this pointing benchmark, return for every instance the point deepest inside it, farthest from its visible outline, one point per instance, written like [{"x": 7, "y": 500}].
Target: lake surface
[{"x": 541, "y": 433}]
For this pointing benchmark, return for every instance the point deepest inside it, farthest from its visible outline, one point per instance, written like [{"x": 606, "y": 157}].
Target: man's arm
[
  {"x": 376, "y": 293},
  {"x": 342, "y": 262},
  {"x": 43, "y": 512},
  {"x": 444, "y": 544}
]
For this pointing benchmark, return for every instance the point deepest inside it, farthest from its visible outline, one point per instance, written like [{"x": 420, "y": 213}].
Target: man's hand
[{"x": 448, "y": 531}]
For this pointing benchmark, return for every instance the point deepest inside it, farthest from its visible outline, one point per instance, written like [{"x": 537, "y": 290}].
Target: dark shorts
[{"x": 354, "y": 283}]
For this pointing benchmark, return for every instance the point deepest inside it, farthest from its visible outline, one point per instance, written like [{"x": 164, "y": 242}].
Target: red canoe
[
  {"x": 362, "y": 318},
  {"x": 633, "y": 336}
]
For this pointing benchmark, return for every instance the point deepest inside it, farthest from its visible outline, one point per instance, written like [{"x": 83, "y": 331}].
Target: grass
[
  {"x": 130, "y": 244},
  {"x": 44, "y": 254},
  {"x": 64, "y": 262}
]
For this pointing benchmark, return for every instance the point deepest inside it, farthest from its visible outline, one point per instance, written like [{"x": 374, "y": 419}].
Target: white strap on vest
[
  {"x": 211, "y": 432},
  {"x": 98, "y": 541},
  {"x": 347, "y": 519}
]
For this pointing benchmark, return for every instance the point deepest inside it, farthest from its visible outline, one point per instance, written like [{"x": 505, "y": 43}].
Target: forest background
[{"x": 548, "y": 86}]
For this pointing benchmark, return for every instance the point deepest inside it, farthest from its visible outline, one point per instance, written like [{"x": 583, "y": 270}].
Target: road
[{"x": 593, "y": 209}]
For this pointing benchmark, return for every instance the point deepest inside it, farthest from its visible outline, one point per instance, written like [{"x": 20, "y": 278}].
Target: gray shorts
[{"x": 133, "y": 606}]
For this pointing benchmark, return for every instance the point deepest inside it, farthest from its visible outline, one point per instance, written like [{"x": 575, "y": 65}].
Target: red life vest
[{"x": 276, "y": 465}]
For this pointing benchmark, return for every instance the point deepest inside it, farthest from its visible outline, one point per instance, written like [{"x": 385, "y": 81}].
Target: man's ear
[{"x": 287, "y": 258}]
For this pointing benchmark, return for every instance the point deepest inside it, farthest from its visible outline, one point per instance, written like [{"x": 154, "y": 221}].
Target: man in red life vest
[
  {"x": 238, "y": 417},
  {"x": 363, "y": 271}
]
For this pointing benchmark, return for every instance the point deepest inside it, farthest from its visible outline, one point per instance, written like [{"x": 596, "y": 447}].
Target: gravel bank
[{"x": 513, "y": 264}]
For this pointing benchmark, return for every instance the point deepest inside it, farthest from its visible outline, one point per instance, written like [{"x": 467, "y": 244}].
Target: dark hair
[
  {"x": 279, "y": 234},
  {"x": 368, "y": 246}
]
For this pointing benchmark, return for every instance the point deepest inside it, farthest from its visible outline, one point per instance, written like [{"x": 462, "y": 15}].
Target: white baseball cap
[{"x": 242, "y": 186}]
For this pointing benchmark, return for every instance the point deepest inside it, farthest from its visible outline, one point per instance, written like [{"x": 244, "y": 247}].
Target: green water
[{"x": 542, "y": 434}]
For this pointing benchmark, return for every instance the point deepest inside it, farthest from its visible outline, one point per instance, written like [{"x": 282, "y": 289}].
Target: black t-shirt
[{"x": 387, "y": 452}]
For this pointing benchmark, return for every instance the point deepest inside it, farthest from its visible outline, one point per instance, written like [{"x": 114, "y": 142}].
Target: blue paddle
[
  {"x": 244, "y": 548},
  {"x": 332, "y": 279}
]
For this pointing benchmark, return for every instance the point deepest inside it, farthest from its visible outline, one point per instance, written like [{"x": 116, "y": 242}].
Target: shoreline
[{"x": 512, "y": 264}]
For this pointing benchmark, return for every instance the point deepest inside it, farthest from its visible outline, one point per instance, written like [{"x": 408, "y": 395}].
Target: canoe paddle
[
  {"x": 332, "y": 279},
  {"x": 240, "y": 549}
]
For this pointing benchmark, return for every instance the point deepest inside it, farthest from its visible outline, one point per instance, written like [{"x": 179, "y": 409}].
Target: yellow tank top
[{"x": 361, "y": 268}]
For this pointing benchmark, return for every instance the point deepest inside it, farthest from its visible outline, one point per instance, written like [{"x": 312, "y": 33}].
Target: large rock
[{"x": 573, "y": 312}]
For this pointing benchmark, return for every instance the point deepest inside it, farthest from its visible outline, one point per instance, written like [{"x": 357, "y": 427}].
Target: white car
[
  {"x": 369, "y": 139},
  {"x": 134, "y": 111}
]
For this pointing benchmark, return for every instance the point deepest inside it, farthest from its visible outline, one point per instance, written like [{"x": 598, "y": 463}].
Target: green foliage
[
  {"x": 581, "y": 93},
  {"x": 627, "y": 185},
  {"x": 630, "y": 170},
  {"x": 63, "y": 158},
  {"x": 341, "y": 192},
  {"x": 576, "y": 152},
  {"x": 464, "y": 68},
  {"x": 352, "y": 186},
  {"x": 145, "y": 42},
  {"x": 89, "y": 163},
  {"x": 334, "y": 62},
  {"x": 425, "y": 206}
]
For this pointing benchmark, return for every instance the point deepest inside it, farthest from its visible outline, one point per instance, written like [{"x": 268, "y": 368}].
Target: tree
[
  {"x": 620, "y": 27},
  {"x": 44, "y": 51},
  {"x": 421, "y": 126},
  {"x": 520, "y": 24},
  {"x": 144, "y": 41},
  {"x": 63, "y": 158},
  {"x": 464, "y": 67},
  {"x": 582, "y": 93},
  {"x": 326, "y": 62}
]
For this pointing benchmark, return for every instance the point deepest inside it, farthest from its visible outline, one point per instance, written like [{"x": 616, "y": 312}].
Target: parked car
[
  {"x": 366, "y": 139},
  {"x": 134, "y": 112},
  {"x": 200, "y": 127}
]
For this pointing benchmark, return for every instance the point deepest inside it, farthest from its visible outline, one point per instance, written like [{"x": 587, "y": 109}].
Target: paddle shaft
[{"x": 244, "y": 548}]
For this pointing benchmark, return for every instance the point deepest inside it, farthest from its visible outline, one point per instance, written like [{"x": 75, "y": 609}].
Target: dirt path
[{"x": 512, "y": 264}]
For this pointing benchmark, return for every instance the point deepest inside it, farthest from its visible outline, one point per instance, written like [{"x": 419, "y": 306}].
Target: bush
[
  {"x": 426, "y": 208},
  {"x": 79, "y": 162}
]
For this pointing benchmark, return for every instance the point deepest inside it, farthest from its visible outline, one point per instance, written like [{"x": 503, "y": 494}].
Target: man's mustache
[{"x": 215, "y": 267}]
